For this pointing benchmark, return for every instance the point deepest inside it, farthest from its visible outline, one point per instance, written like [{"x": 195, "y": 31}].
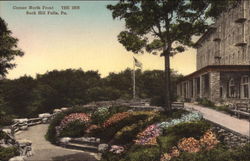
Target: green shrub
[
  {"x": 167, "y": 142},
  {"x": 220, "y": 153},
  {"x": 6, "y": 120},
  {"x": 100, "y": 115},
  {"x": 205, "y": 102},
  {"x": 128, "y": 133},
  {"x": 143, "y": 153},
  {"x": 51, "y": 133},
  {"x": 189, "y": 129},
  {"x": 106, "y": 134},
  {"x": 3, "y": 135},
  {"x": 7, "y": 153},
  {"x": 73, "y": 129},
  {"x": 118, "y": 109}
]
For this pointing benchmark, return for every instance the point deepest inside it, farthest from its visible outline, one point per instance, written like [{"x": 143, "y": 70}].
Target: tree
[
  {"x": 8, "y": 49},
  {"x": 164, "y": 27}
]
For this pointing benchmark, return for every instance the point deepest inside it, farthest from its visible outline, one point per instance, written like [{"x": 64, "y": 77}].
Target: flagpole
[{"x": 134, "y": 81}]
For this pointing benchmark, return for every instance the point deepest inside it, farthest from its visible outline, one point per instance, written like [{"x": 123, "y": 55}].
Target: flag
[{"x": 137, "y": 63}]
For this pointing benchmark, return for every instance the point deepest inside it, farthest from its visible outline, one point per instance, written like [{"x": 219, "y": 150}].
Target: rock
[
  {"x": 6, "y": 145},
  {"x": 18, "y": 158},
  {"x": 21, "y": 121},
  {"x": 45, "y": 120},
  {"x": 24, "y": 142},
  {"x": 65, "y": 140},
  {"x": 44, "y": 115},
  {"x": 57, "y": 111},
  {"x": 98, "y": 140},
  {"x": 64, "y": 109},
  {"x": 103, "y": 147},
  {"x": 25, "y": 127},
  {"x": 130, "y": 110},
  {"x": 7, "y": 131},
  {"x": 221, "y": 131}
]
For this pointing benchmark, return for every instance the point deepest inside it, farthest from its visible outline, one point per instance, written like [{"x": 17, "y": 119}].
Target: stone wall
[
  {"x": 24, "y": 146},
  {"x": 230, "y": 138},
  {"x": 228, "y": 43}
]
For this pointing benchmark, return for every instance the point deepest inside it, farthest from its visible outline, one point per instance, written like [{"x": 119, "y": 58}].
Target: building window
[
  {"x": 232, "y": 89},
  {"x": 244, "y": 87}
]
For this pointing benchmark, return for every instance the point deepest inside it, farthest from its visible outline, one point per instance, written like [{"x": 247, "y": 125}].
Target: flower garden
[{"x": 144, "y": 135}]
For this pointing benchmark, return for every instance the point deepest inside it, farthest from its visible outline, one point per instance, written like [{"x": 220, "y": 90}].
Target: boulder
[
  {"x": 64, "y": 109},
  {"x": 7, "y": 131},
  {"x": 45, "y": 120},
  {"x": 24, "y": 142},
  {"x": 21, "y": 121},
  {"x": 103, "y": 147},
  {"x": 44, "y": 115},
  {"x": 57, "y": 111},
  {"x": 25, "y": 127},
  {"x": 18, "y": 158},
  {"x": 65, "y": 140}
]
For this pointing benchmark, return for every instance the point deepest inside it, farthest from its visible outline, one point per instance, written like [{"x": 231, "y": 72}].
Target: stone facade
[
  {"x": 227, "y": 42},
  {"x": 223, "y": 60}
]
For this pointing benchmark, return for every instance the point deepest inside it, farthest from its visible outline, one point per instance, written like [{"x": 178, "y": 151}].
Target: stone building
[{"x": 223, "y": 60}]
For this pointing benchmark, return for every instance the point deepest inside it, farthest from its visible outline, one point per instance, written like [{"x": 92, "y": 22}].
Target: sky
[{"x": 85, "y": 38}]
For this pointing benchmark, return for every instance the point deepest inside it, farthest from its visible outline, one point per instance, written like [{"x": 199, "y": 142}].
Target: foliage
[
  {"x": 220, "y": 153},
  {"x": 3, "y": 135},
  {"x": 51, "y": 134},
  {"x": 73, "y": 129},
  {"x": 194, "y": 116},
  {"x": 116, "y": 118},
  {"x": 189, "y": 129},
  {"x": 164, "y": 27},
  {"x": 8, "y": 49},
  {"x": 128, "y": 133},
  {"x": 7, "y": 153},
  {"x": 205, "y": 102},
  {"x": 148, "y": 136},
  {"x": 173, "y": 134},
  {"x": 116, "y": 123},
  {"x": 73, "y": 125},
  {"x": 100, "y": 115},
  {"x": 27, "y": 96}
]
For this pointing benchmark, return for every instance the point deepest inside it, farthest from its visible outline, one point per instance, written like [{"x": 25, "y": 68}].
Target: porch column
[
  {"x": 201, "y": 86},
  {"x": 214, "y": 82},
  {"x": 194, "y": 88}
]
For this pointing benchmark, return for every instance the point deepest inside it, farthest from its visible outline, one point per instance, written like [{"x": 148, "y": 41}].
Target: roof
[
  {"x": 218, "y": 68},
  {"x": 210, "y": 30}
]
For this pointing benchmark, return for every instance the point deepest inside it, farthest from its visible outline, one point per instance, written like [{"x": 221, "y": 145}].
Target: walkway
[
  {"x": 232, "y": 123},
  {"x": 44, "y": 150}
]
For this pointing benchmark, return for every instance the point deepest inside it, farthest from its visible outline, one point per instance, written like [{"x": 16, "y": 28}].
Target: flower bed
[
  {"x": 191, "y": 145},
  {"x": 116, "y": 118},
  {"x": 79, "y": 120},
  {"x": 149, "y": 135},
  {"x": 194, "y": 116}
]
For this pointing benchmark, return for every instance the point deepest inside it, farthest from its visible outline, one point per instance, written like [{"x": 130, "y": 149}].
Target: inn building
[{"x": 223, "y": 60}]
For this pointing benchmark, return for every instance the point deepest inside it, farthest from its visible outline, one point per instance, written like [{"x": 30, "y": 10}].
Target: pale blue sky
[{"x": 85, "y": 38}]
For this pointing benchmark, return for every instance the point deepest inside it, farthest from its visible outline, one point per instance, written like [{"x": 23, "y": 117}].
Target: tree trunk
[{"x": 167, "y": 81}]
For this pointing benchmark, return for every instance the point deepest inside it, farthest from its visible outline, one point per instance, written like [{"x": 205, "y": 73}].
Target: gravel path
[
  {"x": 232, "y": 123},
  {"x": 45, "y": 151}
]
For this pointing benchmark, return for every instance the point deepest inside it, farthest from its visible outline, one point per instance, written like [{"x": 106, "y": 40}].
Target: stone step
[
  {"x": 82, "y": 147},
  {"x": 81, "y": 142}
]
